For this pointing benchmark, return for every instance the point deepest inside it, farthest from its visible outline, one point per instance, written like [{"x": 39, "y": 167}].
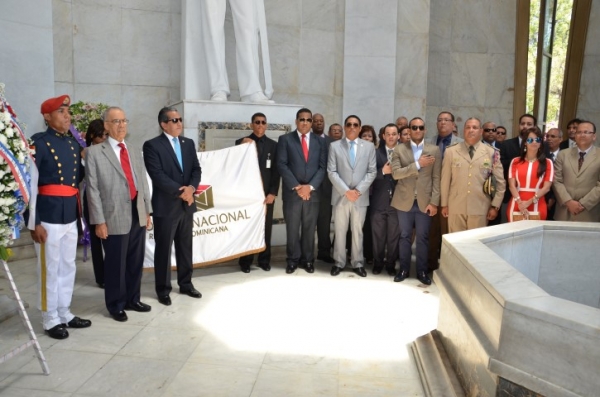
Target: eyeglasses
[
  {"x": 536, "y": 140},
  {"x": 175, "y": 120},
  {"x": 584, "y": 133},
  {"x": 502, "y": 132},
  {"x": 258, "y": 122},
  {"x": 417, "y": 127},
  {"x": 551, "y": 136},
  {"x": 355, "y": 125},
  {"x": 305, "y": 120},
  {"x": 119, "y": 122},
  {"x": 446, "y": 120},
  {"x": 489, "y": 129}
]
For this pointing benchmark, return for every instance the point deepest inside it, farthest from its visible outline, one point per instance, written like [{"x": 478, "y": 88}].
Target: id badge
[{"x": 268, "y": 163}]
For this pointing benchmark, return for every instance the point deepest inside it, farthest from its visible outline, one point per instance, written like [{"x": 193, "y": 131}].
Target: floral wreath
[{"x": 15, "y": 178}]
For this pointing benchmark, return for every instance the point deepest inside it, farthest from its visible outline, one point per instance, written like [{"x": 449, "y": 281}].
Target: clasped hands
[
  {"x": 187, "y": 195},
  {"x": 303, "y": 191},
  {"x": 574, "y": 207}
]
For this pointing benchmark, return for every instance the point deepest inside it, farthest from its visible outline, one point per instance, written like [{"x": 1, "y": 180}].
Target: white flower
[
  {"x": 3, "y": 139},
  {"x": 21, "y": 158},
  {"x": 9, "y": 132},
  {"x": 2, "y": 188}
]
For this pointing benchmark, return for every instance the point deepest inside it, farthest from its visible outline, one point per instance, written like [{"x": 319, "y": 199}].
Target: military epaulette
[
  {"x": 452, "y": 144},
  {"x": 37, "y": 136}
]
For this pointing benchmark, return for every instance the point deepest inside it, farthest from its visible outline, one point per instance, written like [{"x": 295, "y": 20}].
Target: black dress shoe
[
  {"x": 422, "y": 276},
  {"x": 309, "y": 267},
  {"x": 401, "y": 276},
  {"x": 335, "y": 270},
  {"x": 391, "y": 271},
  {"x": 291, "y": 269},
  {"x": 245, "y": 268},
  {"x": 165, "y": 300},
  {"x": 138, "y": 307},
  {"x": 78, "y": 323},
  {"x": 100, "y": 285},
  {"x": 265, "y": 266},
  {"x": 360, "y": 271},
  {"x": 326, "y": 258},
  {"x": 377, "y": 269},
  {"x": 119, "y": 316},
  {"x": 57, "y": 332},
  {"x": 193, "y": 292}
]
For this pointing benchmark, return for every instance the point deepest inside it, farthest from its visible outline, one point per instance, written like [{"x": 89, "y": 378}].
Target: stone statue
[{"x": 249, "y": 24}]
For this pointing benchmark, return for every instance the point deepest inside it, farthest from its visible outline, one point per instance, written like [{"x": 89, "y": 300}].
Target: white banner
[{"x": 230, "y": 221}]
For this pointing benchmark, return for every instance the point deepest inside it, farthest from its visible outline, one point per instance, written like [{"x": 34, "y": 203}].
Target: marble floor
[{"x": 256, "y": 334}]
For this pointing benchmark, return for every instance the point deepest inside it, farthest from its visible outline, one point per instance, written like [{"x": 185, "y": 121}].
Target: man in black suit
[
  {"x": 324, "y": 219},
  {"x": 267, "y": 162},
  {"x": 571, "y": 131},
  {"x": 384, "y": 220},
  {"x": 173, "y": 166},
  {"x": 511, "y": 148},
  {"x": 301, "y": 161}
]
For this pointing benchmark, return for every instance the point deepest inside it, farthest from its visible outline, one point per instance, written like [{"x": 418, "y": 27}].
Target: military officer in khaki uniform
[{"x": 465, "y": 168}]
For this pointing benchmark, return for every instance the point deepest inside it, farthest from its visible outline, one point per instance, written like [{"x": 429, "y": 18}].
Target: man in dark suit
[
  {"x": 301, "y": 161},
  {"x": 384, "y": 221},
  {"x": 571, "y": 131},
  {"x": 119, "y": 206},
  {"x": 324, "y": 219},
  {"x": 173, "y": 166},
  {"x": 267, "y": 162}
]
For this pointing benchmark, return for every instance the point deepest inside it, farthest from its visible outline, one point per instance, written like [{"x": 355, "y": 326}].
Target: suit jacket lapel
[
  {"x": 112, "y": 157},
  {"x": 346, "y": 150},
  {"x": 170, "y": 150},
  {"x": 587, "y": 160},
  {"x": 574, "y": 160},
  {"x": 297, "y": 143}
]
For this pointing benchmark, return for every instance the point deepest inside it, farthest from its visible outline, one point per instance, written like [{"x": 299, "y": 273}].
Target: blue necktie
[
  {"x": 178, "y": 152},
  {"x": 352, "y": 154}
]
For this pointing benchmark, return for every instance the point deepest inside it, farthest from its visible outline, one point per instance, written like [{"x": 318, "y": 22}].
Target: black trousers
[
  {"x": 264, "y": 258},
  {"x": 167, "y": 231},
  {"x": 323, "y": 227},
  {"x": 386, "y": 236},
  {"x": 300, "y": 222},
  {"x": 123, "y": 265}
]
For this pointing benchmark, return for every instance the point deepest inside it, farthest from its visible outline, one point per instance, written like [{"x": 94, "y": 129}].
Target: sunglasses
[
  {"x": 536, "y": 140},
  {"x": 305, "y": 120},
  {"x": 489, "y": 129},
  {"x": 257, "y": 122},
  {"x": 417, "y": 127},
  {"x": 355, "y": 125},
  {"x": 502, "y": 133},
  {"x": 175, "y": 120}
]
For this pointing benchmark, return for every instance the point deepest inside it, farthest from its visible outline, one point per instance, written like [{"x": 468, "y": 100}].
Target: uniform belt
[{"x": 61, "y": 191}]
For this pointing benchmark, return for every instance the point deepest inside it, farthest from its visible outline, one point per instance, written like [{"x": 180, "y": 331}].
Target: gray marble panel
[
  {"x": 175, "y": 47},
  {"x": 376, "y": 111},
  {"x": 410, "y": 107},
  {"x": 370, "y": 28},
  {"x": 440, "y": 25},
  {"x": 97, "y": 59},
  {"x": 284, "y": 41},
  {"x": 462, "y": 113},
  {"x": 63, "y": 41},
  {"x": 105, "y": 3},
  {"x": 103, "y": 93},
  {"x": 141, "y": 105},
  {"x": 175, "y": 6},
  {"x": 589, "y": 94},
  {"x": 319, "y": 15},
  {"x": 439, "y": 80},
  {"x": 338, "y": 83},
  {"x": 470, "y": 26},
  {"x": 146, "y": 51},
  {"x": 317, "y": 75},
  {"x": 65, "y": 88},
  {"x": 413, "y": 16},
  {"x": 369, "y": 77},
  {"x": 501, "y": 27},
  {"x": 571, "y": 274},
  {"x": 411, "y": 64},
  {"x": 340, "y": 18},
  {"x": 148, "y": 5},
  {"x": 469, "y": 74},
  {"x": 499, "y": 91},
  {"x": 592, "y": 47},
  {"x": 500, "y": 116},
  {"x": 283, "y": 13},
  {"x": 526, "y": 254}
]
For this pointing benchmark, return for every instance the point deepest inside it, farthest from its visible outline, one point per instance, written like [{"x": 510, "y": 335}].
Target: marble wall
[
  {"x": 589, "y": 92},
  {"x": 471, "y": 60},
  {"x": 119, "y": 52},
  {"x": 26, "y": 58}
]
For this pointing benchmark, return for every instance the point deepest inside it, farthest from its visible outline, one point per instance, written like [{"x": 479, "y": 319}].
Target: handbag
[
  {"x": 533, "y": 216},
  {"x": 489, "y": 185}
]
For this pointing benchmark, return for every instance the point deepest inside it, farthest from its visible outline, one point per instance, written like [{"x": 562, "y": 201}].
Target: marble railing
[{"x": 519, "y": 308}]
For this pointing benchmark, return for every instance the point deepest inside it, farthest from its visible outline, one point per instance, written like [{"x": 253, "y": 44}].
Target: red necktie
[
  {"x": 304, "y": 148},
  {"x": 127, "y": 170}
]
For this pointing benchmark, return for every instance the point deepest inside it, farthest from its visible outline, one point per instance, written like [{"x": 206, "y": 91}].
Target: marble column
[{"x": 588, "y": 106}]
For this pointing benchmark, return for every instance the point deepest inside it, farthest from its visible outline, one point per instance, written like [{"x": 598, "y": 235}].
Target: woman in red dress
[{"x": 530, "y": 177}]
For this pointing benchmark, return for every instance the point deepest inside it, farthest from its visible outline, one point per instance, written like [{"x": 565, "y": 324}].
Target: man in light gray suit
[
  {"x": 351, "y": 167},
  {"x": 120, "y": 206}
]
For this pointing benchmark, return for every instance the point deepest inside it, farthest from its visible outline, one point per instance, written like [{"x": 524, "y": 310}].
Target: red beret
[{"x": 52, "y": 104}]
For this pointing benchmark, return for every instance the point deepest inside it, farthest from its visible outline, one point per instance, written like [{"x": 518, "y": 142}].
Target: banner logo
[{"x": 204, "y": 197}]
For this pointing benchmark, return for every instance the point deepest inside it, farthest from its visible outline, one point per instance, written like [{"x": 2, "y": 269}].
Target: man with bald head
[
  {"x": 465, "y": 168},
  {"x": 401, "y": 122}
]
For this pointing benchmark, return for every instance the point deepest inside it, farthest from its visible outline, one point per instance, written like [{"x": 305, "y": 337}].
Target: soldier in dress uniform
[
  {"x": 465, "y": 168},
  {"x": 56, "y": 213}
]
